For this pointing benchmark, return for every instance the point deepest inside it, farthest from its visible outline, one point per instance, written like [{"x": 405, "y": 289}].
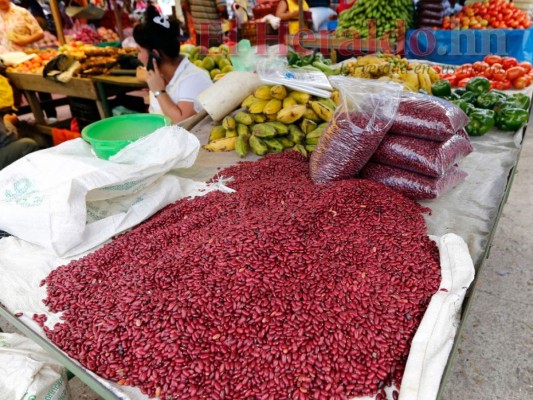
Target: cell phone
[{"x": 151, "y": 57}]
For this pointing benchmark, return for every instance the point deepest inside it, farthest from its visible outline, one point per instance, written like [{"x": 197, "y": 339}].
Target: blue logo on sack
[{"x": 23, "y": 194}]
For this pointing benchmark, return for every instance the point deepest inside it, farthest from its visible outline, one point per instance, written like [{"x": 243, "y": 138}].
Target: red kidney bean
[{"x": 283, "y": 289}]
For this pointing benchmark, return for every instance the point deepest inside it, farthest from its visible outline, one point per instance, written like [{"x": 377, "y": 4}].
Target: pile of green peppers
[
  {"x": 486, "y": 108},
  {"x": 313, "y": 62}
]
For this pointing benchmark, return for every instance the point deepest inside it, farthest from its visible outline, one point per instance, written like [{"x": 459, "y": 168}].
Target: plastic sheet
[
  {"x": 361, "y": 121},
  {"x": 422, "y": 156},
  {"x": 427, "y": 117},
  {"x": 413, "y": 185}
]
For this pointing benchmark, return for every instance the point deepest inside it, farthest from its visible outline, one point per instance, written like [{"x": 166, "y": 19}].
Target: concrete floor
[{"x": 495, "y": 353}]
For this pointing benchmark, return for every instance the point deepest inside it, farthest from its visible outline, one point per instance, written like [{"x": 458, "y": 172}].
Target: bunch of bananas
[
  {"x": 413, "y": 76},
  {"x": 277, "y": 119},
  {"x": 215, "y": 60}
]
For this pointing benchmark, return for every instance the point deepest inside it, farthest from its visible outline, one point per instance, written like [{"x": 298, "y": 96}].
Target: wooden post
[
  {"x": 301, "y": 14},
  {"x": 118, "y": 19},
  {"x": 57, "y": 21}
]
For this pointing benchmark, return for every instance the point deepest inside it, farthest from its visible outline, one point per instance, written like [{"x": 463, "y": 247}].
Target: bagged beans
[
  {"x": 427, "y": 117},
  {"x": 423, "y": 156},
  {"x": 413, "y": 185},
  {"x": 361, "y": 121}
]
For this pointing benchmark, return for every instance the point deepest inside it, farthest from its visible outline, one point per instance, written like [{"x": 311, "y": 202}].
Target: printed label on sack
[
  {"x": 4, "y": 342},
  {"x": 23, "y": 193}
]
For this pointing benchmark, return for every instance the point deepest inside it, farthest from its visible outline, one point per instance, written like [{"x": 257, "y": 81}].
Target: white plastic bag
[
  {"x": 28, "y": 373},
  {"x": 68, "y": 200}
]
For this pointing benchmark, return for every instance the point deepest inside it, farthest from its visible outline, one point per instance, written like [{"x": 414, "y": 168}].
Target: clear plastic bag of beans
[
  {"x": 421, "y": 155},
  {"x": 413, "y": 185},
  {"x": 362, "y": 119},
  {"x": 427, "y": 117}
]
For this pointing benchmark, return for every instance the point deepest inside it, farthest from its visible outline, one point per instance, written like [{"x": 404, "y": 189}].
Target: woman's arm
[
  {"x": 283, "y": 13},
  {"x": 27, "y": 40},
  {"x": 176, "y": 112}
]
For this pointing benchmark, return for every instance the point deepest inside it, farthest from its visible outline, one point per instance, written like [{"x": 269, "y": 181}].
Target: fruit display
[
  {"x": 487, "y": 108},
  {"x": 107, "y": 35},
  {"x": 84, "y": 34},
  {"x": 491, "y": 14},
  {"x": 504, "y": 73},
  {"x": 49, "y": 40},
  {"x": 36, "y": 64},
  {"x": 355, "y": 21},
  {"x": 215, "y": 60},
  {"x": 413, "y": 76},
  {"x": 274, "y": 119}
]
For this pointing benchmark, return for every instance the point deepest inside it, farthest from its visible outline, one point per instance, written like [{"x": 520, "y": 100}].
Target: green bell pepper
[
  {"x": 293, "y": 58},
  {"x": 481, "y": 121},
  {"x": 459, "y": 92},
  {"x": 441, "y": 88},
  {"x": 464, "y": 105},
  {"x": 478, "y": 84},
  {"x": 489, "y": 100},
  {"x": 511, "y": 119},
  {"x": 519, "y": 100},
  {"x": 470, "y": 97}
]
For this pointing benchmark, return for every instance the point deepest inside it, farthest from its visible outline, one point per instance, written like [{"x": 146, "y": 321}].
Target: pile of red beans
[{"x": 282, "y": 290}]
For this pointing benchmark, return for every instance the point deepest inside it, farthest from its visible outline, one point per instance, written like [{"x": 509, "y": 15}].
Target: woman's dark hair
[{"x": 158, "y": 32}]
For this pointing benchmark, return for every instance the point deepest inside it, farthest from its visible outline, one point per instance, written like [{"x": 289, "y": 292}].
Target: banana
[
  {"x": 224, "y": 144},
  {"x": 322, "y": 110},
  {"x": 278, "y": 92},
  {"x": 310, "y": 147},
  {"x": 231, "y": 133},
  {"x": 218, "y": 132},
  {"x": 328, "y": 102},
  {"x": 289, "y": 101},
  {"x": 425, "y": 81},
  {"x": 280, "y": 127},
  {"x": 310, "y": 114},
  {"x": 242, "y": 130},
  {"x": 291, "y": 114},
  {"x": 257, "y": 106},
  {"x": 228, "y": 123},
  {"x": 335, "y": 96},
  {"x": 263, "y": 92},
  {"x": 285, "y": 142},
  {"x": 258, "y": 118},
  {"x": 433, "y": 75},
  {"x": 243, "y": 118},
  {"x": 313, "y": 141},
  {"x": 257, "y": 146},
  {"x": 315, "y": 133},
  {"x": 264, "y": 131},
  {"x": 301, "y": 149},
  {"x": 273, "y": 145},
  {"x": 249, "y": 100},
  {"x": 295, "y": 134},
  {"x": 241, "y": 145},
  {"x": 271, "y": 117},
  {"x": 410, "y": 79},
  {"x": 307, "y": 125},
  {"x": 300, "y": 97},
  {"x": 273, "y": 106}
]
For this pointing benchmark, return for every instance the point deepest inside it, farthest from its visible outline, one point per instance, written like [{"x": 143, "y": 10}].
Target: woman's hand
[{"x": 155, "y": 80}]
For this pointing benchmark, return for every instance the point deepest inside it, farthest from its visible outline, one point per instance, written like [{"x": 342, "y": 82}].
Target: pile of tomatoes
[
  {"x": 503, "y": 72},
  {"x": 493, "y": 14}
]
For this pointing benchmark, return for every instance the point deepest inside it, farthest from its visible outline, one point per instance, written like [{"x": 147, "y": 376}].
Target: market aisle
[{"x": 493, "y": 359}]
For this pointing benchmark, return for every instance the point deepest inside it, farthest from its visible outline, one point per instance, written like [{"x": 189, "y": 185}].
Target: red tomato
[
  {"x": 438, "y": 69},
  {"x": 509, "y": 62},
  {"x": 452, "y": 79},
  {"x": 514, "y": 73},
  {"x": 526, "y": 66},
  {"x": 502, "y": 85},
  {"x": 498, "y": 74},
  {"x": 487, "y": 73},
  {"x": 520, "y": 83},
  {"x": 462, "y": 83},
  {"x": 480, "y": 66},
  {"x": 492, "y": 59}
]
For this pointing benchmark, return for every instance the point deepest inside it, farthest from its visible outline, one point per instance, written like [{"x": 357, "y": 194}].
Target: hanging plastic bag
[{"x": 354, "y": 133}]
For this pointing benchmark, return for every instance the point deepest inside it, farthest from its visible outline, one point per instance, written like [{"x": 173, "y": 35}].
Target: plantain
[
  {"x": 301, "y": 149},
  {"x": 263, "y": 92},
  {"x": 307, "y": 125},
  {"x": 335, "y": 96},
  {"x": 322, "y": 110},
  {"x": 231, "y": 133},
  {"x": 310, "y": 114},
  {"x": 410, "y": 80},
  {"x": 264, "y": 131},
  {"x": 433, "y": 75},
  {"x": 285, "y": 142},
  {"x": 425, "y": 81},
  {"x": 289, "y": 101},
  {"x": 257, "y": 146},
  {"x": 228, "y": 123},
  {"x": 242, "y": 130},
  {"x": 248, "y": 101},
  {"x": 278, "y": 92},
  {"x": 280, "y": 127},
  {"x": 257, "y": 106},
  {"x": 296, "y": 134},
  {"x": 312, "y": 141},
  {"x": 300, "y": 97},
  {"x": 310, "y": 147},
  {"x": 291, "y": 114},
  {"x": 241, "y": 145},
  {"x": 258, "y": 118},
  {"x": 243, "y": 118},
  {"x": 328, "y": 102},
  {"x": 273, "y": 145},
  {"x": 315, "y": 133},
  {"x": 218, "y": 132},
  {"x": 273, "y": 106},
  {"x": 224, "y": 144},
  {"x": 271, "y": 117}
]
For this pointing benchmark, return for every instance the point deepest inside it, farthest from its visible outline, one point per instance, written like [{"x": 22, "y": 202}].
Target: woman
[
  {"x": 288, "y": 10},
  {"x": 18, "y": 28},
  {"x": 174, "y": 81}
]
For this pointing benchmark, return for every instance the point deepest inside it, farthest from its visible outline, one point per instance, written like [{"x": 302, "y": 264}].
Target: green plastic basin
[{"x": 110, "y": 135}]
